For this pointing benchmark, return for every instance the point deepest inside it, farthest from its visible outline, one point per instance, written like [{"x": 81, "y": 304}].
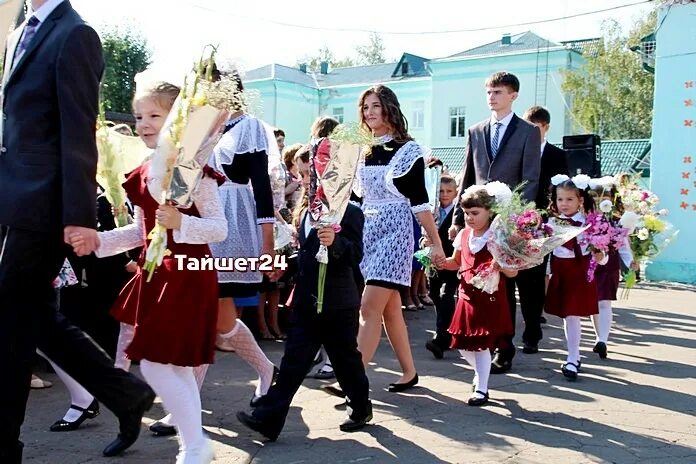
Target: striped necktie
[
  {"x": 496, "y": 139},
  {"x": 27, "y": 35}
]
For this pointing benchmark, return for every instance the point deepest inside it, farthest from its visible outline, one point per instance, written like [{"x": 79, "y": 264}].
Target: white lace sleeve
[
  {"x": 357, "y": 181},
  {"x": 248, "y": 136},
  {"x": 211, "y": 227},
  {"x": 401, "y": 164},
  {"x": 113, "y": 242}
]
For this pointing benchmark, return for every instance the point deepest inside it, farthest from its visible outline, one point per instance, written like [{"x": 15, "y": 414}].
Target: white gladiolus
[
  {"x": 643, "y": 234},
  {"x": 629, "y": 220}
]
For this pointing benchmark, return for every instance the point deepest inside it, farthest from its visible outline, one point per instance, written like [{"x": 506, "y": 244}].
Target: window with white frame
[
  {"x": 418, "y": 119},
  {"x": 457, "y": 121},
  {"x": 338, "y": 114}
]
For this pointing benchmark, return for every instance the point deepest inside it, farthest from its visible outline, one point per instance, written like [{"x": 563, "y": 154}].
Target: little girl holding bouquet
[
  {"x": 608, "y": 201},
  {"x": 570, "y": 295},
  {"x": 174, "y": 315},
  {"x": 480, "y": 318}
]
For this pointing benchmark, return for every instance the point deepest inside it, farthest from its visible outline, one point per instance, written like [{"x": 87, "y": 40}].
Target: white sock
[
  {"x": 573, "y": 332},
  {"x": 78, "y": 395},
  {"x": 243, "y": 343},
  {"x": 177, "y": 387},
  {"x": 125, "y": 337},
  {"x": 199, "y": 374},
  {"x": 469, "y": 356},
  {"x": 602, "y": 321},
  {"x": 483, "y": 370}
]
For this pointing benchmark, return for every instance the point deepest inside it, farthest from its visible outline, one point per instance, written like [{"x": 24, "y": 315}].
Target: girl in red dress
[
  {"x": 479, "y": 318},
  {"x": 570, "y": 296},
  {"x": 175, "y": 314}
]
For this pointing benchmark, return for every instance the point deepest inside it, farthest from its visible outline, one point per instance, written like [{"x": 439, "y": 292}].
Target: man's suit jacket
[
  {"x": 48, "y": 159},
  {"x": 553, "y": 161},
  {"x": 517, "y": 160},
  {"x": 342, "y": 284}
]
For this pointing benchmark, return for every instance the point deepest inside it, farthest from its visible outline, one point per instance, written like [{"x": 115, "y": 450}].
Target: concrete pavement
[{"x": 637, "y": 406}]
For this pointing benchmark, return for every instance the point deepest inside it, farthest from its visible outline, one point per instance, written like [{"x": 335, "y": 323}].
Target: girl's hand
[
  {"x": 131, "y": 267},
  {"x": 598, "y": 256},
  {"x": 453, "y": 231},
  {"x": 169, "y": 217},
  {"x": 425, "y": 241},
  {"x": 326, "y": 236}
]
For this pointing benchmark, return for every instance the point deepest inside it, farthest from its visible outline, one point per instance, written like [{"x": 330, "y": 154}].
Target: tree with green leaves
[
  {"x": 126, "y": 53},
  {"x": 373, "y": 52},
  {"x": 610, "y": 94}
]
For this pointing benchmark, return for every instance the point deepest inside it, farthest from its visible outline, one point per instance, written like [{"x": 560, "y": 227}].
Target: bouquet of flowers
[
  {"x": 332, "y": 170},
  {"x": 118, "y": 155},
  {"x": 648, "y": 233},
  {"x": 602, "y": 236},
  {"x": 185, "y": 143},
  {"x": 518, "y": 237}
]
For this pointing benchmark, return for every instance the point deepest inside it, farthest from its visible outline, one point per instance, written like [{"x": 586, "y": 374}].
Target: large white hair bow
[
  {"x": 581, "y": 181},
  {"x": 558, "y": 179}
]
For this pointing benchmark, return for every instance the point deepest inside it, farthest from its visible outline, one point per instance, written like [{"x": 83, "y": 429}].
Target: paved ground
[{"x": 637, "y": 406}]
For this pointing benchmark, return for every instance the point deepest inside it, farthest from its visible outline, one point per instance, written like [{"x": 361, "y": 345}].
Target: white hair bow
[
  {"x": 605, "y": 182},
  {"x": 581, "y": 181},
  {"x": 559, "y": 179}
]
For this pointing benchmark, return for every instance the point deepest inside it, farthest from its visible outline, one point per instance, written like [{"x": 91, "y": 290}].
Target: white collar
[
  {"x": 381, "y": 140},
  {"x": 45, "y": 10},
  {"x": 476, "y": 244},
  {"x": 505, "y": 121},
  {"x": 579, "y": 217},
  {"x": 543, "y": 145}
]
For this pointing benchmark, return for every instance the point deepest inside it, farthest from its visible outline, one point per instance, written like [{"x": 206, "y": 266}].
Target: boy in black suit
[
  {"x": 336, "y": 328},
  {"x": 443, "y": 284}
]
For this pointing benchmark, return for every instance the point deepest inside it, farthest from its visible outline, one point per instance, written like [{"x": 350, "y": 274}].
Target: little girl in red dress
[
  {"x": 175, "y": 314},
  {"x": 480, "y": 318},
  {"x": 570, "y": 296}
]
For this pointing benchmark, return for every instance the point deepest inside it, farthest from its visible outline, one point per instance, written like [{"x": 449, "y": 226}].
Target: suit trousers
[
  {"x": 337, "y": 330},
  {"x": 29, "y": 261},
  {"x": 443, "y": 292},
  {"x": 531, "y": 286}
]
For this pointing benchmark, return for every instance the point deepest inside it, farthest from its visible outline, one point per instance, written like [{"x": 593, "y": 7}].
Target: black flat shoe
[
  {"x": 528, "y": 348},
  {"x": 159, "y": 429},
  {"x": 478, "y": 401},
  {"x": 352, "y": 425},
  {"x": 569, "y": 373},
  {"x": 431, "y": 346},
  {"x": 601, "y": 349},
  {"x": 258, "y": 426},
  {"x": 90, "y": 412},
  {"x": 500, "y": 366},
  {"x": 333, "y": 390},
  {"x": 400, "y": 387}
]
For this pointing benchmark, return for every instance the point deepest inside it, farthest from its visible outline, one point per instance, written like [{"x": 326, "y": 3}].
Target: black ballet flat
[
  {"x": 159, "y": 429},
  {"x": 476, "y": 401},
  {"x": 90, "y": 412},
  {"x": 400, "y": 387},
  {"x": 570, "y": 374},
  {"x": 601, "y": 349}
]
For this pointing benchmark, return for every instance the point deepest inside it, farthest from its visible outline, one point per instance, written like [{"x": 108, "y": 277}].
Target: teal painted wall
[{"x": 673, "y": 162}]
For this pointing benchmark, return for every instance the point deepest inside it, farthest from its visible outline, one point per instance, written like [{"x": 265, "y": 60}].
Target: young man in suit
[
  {"x": 443, "y": 284},
  {"x": 503, "y": 148},
  {"x": 48, "y": 159}
]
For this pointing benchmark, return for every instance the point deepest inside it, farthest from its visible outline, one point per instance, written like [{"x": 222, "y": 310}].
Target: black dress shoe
[
  {"x": 353, "y": 425},
  {"x": 500, "y": 366},
  {"x": 431, "y": 346},
  {"x": 477, "y": 400},
  {"x": 400, "y": 387},
  {"x": 601, "y": 349},
  {"x": 258, "y": 426},
  {"x": 528, "y": 348},
  {"x": 569, "y": 373},
  {"x": 90, "y": 412},
  {"x": 129, "y": 426},
  {"x": 159, "y": 429}
]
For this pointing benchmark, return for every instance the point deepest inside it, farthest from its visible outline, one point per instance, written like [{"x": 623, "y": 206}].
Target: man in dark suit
[
  {"x": 48, "y": 157},
  {"x": 444, "y": 284},
  {"x": 502, "y": 148}
]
